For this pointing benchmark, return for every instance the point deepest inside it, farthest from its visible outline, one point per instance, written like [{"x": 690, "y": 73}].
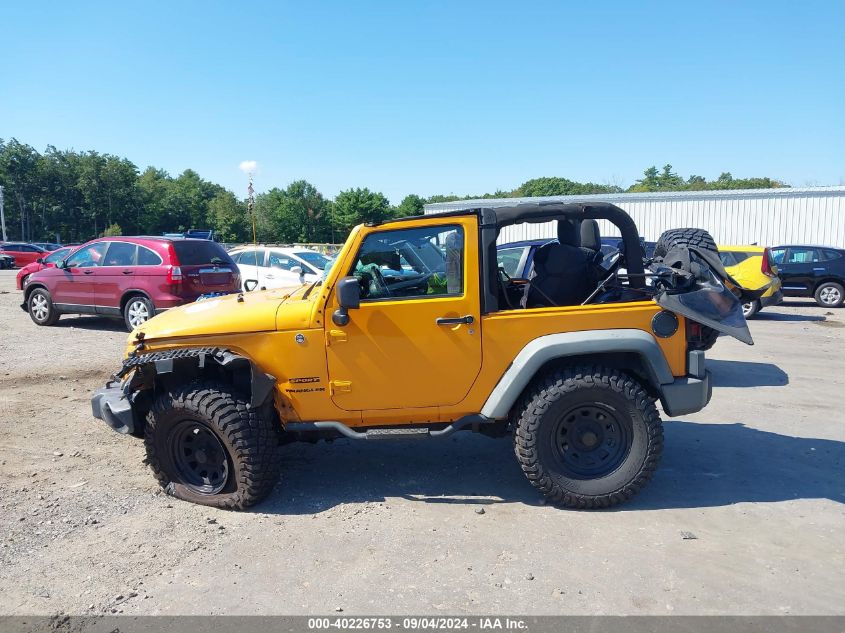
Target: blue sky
[{"x": 433, "y": 97}]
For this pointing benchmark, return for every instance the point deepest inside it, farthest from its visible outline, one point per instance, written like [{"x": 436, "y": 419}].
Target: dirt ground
[{"x": 746, "y": 514}]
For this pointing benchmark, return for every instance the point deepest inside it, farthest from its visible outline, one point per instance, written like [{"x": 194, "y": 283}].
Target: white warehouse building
[{"x": 768, "y": 217}]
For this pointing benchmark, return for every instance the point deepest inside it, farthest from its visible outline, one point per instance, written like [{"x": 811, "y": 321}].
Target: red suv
[{"x": 130, "y": 277}]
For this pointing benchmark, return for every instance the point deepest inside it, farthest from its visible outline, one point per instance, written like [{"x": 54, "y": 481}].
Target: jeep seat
[{"x": 562, "y": 270}]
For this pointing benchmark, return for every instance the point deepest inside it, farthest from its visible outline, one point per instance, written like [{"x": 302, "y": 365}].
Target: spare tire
[{"x": 697, "y": 238}]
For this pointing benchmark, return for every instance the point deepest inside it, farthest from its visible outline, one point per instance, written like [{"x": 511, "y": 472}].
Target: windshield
[
  {"x": 55, "y": 256},
  {"x": 316, "y": 260}
]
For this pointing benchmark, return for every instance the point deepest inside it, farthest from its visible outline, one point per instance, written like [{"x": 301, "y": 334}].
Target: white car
[{"x": 278, "y": 267}]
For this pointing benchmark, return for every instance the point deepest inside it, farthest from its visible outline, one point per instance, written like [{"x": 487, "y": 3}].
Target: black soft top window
[{"x": 196, "y": 252}]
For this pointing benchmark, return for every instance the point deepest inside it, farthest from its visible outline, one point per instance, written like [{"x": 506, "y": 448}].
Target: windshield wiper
[{"x": 311, "y": 287}]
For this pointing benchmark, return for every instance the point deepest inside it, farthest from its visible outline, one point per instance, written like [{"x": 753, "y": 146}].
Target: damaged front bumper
[{"x": 113, "y": 406}]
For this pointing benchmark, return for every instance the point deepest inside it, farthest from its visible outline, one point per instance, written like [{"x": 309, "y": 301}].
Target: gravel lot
[{"x": 746, "y": 514}]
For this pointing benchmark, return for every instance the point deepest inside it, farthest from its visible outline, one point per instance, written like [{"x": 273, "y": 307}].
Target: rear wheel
[
  {"x": 588, "y": 437},
  {"x": 206, "y": 445},
  {"x": 750, "y": 308},
  {"x": 697, "y": 238},
  {"x": 137, "y": 311},
  {"x": 40, "y": 307},
  {"x": 830, "y": 294}
]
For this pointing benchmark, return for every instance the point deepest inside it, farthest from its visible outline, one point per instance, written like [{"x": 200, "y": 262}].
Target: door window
[
  {"x": 120, "y": 254},
  {"x": 88, "y": 256},
  {"x": 777, "y": 255},
  {"x": 411, "y": 263},
  {"x": 251, "y": 257},
  {"x": 803, "y": 256},
  {"x": 146, "y": 257}
]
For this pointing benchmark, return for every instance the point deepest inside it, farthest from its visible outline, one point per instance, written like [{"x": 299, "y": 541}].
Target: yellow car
[{"x": 753, "y": 267}]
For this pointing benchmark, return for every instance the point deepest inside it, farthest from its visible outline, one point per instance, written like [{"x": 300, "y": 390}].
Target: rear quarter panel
[{"x": 505, "y": 333}]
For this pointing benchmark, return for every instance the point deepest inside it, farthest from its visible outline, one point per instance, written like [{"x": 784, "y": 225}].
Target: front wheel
[
  {"x": 40, "y": 307},
  {"x": 588, "y": 437},
  {"x": 830, "y": 294},
  {"x": 206, "y": 445}
]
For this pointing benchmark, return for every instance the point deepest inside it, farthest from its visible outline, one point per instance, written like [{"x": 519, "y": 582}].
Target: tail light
[
  {"x": 766, "y": 266},
  {"x": 174, "y": 275},
  {"x": 694, "y": 331}
]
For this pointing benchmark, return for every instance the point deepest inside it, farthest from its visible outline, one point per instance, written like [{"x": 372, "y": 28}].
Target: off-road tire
[
  {"x": 698, "y": 238},
  {"x": 39, "y": 303},
  {"x": 827, "y": 291},
  {"x": 130, "y": 310},
  {"x": 540, "y": 416},
  {"x": 250, "y": 440}
]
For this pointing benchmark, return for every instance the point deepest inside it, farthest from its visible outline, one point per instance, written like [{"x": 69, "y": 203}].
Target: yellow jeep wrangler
[{"x": 415, "y": 332}]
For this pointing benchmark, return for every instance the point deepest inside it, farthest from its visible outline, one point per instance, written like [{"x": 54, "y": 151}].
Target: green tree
[
  {"x": 227, "y": 216},
  {"x": 113, "y": 230},
  {"x": 555, "y": 186},
  {"x": 355, "y": 206},
  {"x": 411, "y": 204}
]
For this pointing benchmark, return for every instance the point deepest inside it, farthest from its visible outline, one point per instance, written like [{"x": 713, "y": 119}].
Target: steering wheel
[{"x": 378, "y": 278}]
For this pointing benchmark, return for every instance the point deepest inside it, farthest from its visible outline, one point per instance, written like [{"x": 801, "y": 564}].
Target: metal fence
[{"x": 769, "y": 217}]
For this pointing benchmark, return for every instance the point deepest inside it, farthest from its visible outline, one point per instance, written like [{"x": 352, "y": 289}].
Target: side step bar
[{"x": 401, "y": 433}]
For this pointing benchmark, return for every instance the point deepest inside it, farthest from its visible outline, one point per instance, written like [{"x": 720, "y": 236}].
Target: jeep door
[{"x": 415, "y": 340}]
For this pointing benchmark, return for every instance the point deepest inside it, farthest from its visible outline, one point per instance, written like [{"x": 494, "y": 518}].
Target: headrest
[
  {"x": 567, "y": 232},
  {"x": 590, "y": 235}
]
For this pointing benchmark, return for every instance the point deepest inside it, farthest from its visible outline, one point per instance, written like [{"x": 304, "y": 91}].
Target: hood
[{"x": 229, "y": 314}]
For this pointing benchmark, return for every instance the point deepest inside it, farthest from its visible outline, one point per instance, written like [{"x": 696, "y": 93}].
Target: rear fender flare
[{"x": 540, "y": 351}]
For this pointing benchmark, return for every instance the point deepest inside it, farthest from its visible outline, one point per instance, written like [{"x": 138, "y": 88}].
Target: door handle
[
  {"x": 88, "y": 272},
  {"x": 468, "y": 320},
  {"x": 819, "y": 270},
  {"x": 127, "y": 272}
]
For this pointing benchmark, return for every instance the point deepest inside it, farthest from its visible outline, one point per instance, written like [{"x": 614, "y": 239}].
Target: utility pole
[
  {"x": 250, "y": 207},
  {"x": 2, "y": 214}
]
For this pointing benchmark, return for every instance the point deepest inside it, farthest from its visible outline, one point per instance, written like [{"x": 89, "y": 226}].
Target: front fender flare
[{"x": 170, "y": 361}]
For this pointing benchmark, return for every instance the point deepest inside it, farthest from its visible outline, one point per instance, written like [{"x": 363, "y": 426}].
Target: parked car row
[
  {"x": 135, "y": 278},
  {"x": 792, "y": 270}
]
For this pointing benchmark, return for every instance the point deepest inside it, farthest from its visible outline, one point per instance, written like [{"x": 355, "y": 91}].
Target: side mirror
[
  {"x": 40, "y": 260},
  {"x": 247, "y": 283},
  {"x": 349, "y": 298},
  {"x": 296, "y": 270},
  {"x": 61, "y": 264}
]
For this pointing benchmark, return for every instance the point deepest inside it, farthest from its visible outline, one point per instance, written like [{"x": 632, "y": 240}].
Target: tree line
[{"x": 82, "y": 195}]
